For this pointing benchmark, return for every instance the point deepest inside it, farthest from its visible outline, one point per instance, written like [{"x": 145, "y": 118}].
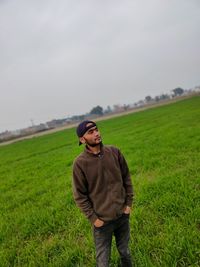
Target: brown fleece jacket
[{"x": 101, "y": 184}]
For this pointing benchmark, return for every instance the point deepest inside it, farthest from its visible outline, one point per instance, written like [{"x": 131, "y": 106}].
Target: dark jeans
[{"x": 103, "y": 240}]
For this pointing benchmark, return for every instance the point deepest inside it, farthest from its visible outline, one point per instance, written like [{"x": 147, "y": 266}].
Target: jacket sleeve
[
  {"x": 126, "y": 179},
  {"x": 80, "y": 193}
]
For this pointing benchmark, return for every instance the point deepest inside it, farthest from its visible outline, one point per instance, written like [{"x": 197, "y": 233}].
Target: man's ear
[{"x": 82, "y": 140}]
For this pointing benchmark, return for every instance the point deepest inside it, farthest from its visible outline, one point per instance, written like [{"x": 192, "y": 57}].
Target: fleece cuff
[{"x": 93, "y": 218}]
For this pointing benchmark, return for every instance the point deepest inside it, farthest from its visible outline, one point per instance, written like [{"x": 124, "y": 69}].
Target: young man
[{"x": 103, "y": 191}]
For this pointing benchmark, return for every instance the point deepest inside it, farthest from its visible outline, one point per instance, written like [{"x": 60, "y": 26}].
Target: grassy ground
[{"x": 40, "y": 224}]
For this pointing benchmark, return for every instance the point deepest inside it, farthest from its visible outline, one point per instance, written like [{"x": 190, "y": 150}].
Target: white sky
[{"x": 61, "y": 58}]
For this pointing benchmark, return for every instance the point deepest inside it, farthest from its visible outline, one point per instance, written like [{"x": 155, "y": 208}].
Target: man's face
[{"x": 92, "y": 137}]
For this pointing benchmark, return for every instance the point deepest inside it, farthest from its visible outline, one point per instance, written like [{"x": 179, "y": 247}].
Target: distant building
[{"x": 5, "y": 135}]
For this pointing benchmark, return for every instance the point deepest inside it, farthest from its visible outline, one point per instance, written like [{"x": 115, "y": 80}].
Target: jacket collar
[{"x": 89, "y": 152}]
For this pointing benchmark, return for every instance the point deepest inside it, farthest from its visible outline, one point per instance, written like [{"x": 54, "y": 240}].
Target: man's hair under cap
[{"x": 82, "y": 128}]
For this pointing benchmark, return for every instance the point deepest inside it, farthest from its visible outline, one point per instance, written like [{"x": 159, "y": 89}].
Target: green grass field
[{"x": 40, "y": 224}]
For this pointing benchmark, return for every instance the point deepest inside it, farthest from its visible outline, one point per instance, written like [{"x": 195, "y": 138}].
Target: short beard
[{"x": 93, "y": 145}]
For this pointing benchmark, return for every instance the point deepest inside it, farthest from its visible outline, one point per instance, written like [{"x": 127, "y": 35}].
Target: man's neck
[{"x": 94, "y": 149}]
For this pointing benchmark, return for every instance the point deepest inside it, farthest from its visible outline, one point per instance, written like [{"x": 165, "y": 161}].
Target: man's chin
[{"x": 95, "y": 144}]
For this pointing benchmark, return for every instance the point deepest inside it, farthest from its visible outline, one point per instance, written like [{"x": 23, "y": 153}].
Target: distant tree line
[
  {"x": 98, "y": 110},
  {"x": 95, "y": 112}
]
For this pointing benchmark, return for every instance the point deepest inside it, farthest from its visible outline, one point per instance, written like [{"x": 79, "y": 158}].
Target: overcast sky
[{"x": 61, "y": 58}]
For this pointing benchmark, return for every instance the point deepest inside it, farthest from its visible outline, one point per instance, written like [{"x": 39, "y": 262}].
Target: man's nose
[{"x": 97, "y": 133}]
